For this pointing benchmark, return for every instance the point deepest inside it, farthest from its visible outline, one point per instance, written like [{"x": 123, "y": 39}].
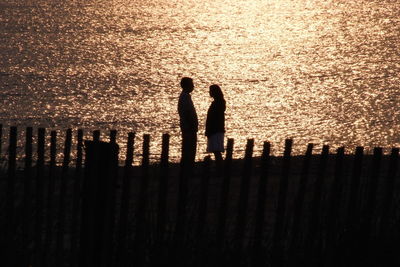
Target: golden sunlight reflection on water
[{"x": 325, "y": 72}]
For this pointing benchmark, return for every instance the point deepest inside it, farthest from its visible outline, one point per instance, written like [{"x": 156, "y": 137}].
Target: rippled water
[{"x": 316, "y": 71}]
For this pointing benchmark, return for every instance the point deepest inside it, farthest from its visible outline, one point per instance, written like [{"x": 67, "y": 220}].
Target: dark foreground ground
[{"x": 328, "y": 213}]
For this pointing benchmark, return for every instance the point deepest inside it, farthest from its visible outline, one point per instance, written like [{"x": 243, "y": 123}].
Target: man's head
[{"x": 187, "y": 84}]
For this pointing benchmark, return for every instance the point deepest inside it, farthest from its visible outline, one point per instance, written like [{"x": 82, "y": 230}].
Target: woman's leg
[{"x": 218, "y": 162}]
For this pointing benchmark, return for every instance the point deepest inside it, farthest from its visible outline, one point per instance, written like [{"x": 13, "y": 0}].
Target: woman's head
[{"x": 216, "y": 92}]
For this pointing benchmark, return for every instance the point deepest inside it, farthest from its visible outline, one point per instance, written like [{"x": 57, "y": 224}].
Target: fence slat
[
  {"x": 277, "y": 246},
  {"x": 123, "y": 233},
  {"x": 97, "y": 204},
  {"x": 299, "y": 204},
  {"x": 388, "y": 194},
  {"x": 262, "y": 195},
  {"x": 1, "y": 140},
  {"x": 389, "y": 231},
  {"x": 79, "y": 150},
  {"x": 185, "y": 172},
  {"x": 96, "y": 135},
  {"x": 142, "y": 201},
  {"x": 39, "y": 197},
  {"x": 353, "y": 209},
  {"x": 110, "y": 227},
  {"x": 163, "y": 189},
  {"x": 372, "y": 189},
  {"x": 113, "y": 136},
  {"x": 223, "y": 204},
  {"x": 144, "y": 182},
  {"x": 11, "y": 175},
  {"x": 27, "y": 198},
  {"x": 241, "y": 221},
  {"x": 50, "y": 198},
  {"x": 336, "y": 192},
  {"x": 258, "y": 236},
  {"x": 203, "y": 202},
  {"x": 314, "y": 225},
  {"x": 62, "y": 199},
  {"x": 353, "y": 205},
  {"x": 9, "y": 220},
  {"x": 77, "y": 184},
  {"x": 333, "y": 215}
]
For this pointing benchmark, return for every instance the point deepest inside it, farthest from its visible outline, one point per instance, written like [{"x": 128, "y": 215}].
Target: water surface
[{"x": 326, "y": 72}]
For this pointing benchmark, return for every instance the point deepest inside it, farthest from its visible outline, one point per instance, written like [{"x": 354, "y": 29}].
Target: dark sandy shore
[
  {"x": 274, "y": 175},
  {"x": 319, "y": 176}
]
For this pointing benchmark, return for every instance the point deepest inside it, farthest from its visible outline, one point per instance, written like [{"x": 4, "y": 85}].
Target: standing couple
[{"x": 215, "y": 123}]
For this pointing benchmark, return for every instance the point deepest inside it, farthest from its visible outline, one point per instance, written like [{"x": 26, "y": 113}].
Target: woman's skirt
[{"x": 215, "y": 143}]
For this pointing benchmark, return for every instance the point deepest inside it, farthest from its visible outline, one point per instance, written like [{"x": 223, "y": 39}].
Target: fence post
[
  {"x": 353, "y": 205},
  {"x": 109, "y": 228},
  {"x": 144, "y": 183},
  {"x": 372, "y": 188},
  {"x": 8, "y": 244},
  {"x": 298, "y": 205},
  {"x": 333, "y": 215},
  {"x": 142, "y": 200},
  {"x": 277, "y": 244},
  {"x": 10, "y": 195},
  {"x": 223, "y": 208},
  {"x": 360, "y": 243},
  {"x": 260, "y": 209},
  {"x": 77, "y": 183},
  {"x": 61, "y": 206},
  {"x": 27, "y": 199},
  {"x": 388, "y": 194},
  {"x": 39, "y": 196},
  {"x": 314, "y": 229},
  {"x": 1, "y": 140},
  {"x": 100, "y": 164},
  {"x": 388, "y": 232},
  {"x": 50, "y": 198},
  {"x": 111, "y": 235},
  {"x": 123, "y": 233},
  {"x": 353, "y": 210},
  {"x": 96, "y": 135},
  {"x": 244, "y": 197},
  {"x": 163, "y": 189},
  {"x": 202, "y": 215},
  {"x": 113, "y": 136},
  {"x": 180, "y": 226}
]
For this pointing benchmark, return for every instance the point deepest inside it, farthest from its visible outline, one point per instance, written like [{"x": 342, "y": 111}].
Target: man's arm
[{"x": 188, "y": 113}]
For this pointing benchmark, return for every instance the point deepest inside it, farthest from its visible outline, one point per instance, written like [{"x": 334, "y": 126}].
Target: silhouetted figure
[
  {"x": 188, "y": 122},
  {"x": 215, "y": 125}
]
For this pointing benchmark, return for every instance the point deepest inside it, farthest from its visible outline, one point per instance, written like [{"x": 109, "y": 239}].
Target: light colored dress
[{"x": 215, "y": 143}]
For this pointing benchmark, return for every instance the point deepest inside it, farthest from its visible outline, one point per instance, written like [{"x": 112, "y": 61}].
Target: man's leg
[
  {"x": 189, "y": 145},
  {"x": 193, "y": 147}
]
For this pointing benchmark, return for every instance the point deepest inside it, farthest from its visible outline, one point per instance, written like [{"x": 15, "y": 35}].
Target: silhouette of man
[{"x": 188, "y": 122}]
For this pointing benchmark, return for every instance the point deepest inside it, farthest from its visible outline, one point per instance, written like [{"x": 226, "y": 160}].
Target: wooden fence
[{"x": 330, "y": 209}]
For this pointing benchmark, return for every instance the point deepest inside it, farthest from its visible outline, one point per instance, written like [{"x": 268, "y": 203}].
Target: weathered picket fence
[{"x": 312, "y": 210}]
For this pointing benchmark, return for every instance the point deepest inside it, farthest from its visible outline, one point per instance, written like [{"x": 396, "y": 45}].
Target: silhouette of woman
[{"x": 215, "y": 125}]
